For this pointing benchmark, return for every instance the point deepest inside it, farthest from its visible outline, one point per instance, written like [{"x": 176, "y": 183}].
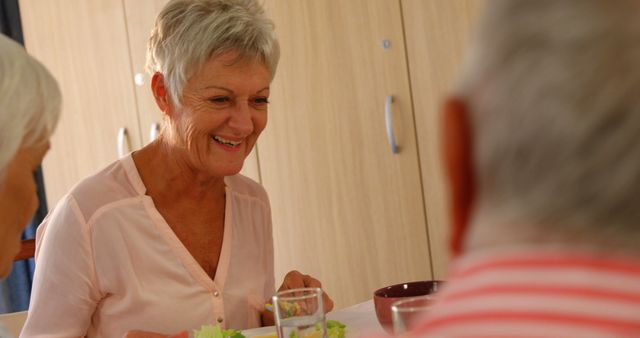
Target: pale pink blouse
[{"x": 107, "y": 262}]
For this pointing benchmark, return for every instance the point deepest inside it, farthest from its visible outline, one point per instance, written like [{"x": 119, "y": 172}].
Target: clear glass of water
[
  {"x": 299, "y": 313},
  {"x": 404, "y": 313}
]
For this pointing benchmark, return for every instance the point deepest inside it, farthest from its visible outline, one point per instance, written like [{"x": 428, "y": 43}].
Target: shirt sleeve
[{"x": 65, "y": 291}]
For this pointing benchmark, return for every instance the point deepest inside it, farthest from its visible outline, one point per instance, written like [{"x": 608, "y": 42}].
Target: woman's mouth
[{"x": 226, "y": 142}]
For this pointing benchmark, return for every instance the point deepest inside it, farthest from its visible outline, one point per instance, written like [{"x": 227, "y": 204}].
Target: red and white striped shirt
[{"x": 538, "y": 293}]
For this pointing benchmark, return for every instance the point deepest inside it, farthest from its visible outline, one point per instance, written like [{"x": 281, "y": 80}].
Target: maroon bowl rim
[{"x": 432, "y": 285}]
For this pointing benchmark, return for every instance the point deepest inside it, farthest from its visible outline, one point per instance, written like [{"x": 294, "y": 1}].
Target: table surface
[{"x": 359, "y": 318}]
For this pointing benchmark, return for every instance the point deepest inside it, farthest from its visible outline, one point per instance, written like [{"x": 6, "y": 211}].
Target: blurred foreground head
[
  {"x": 542, "y": 138},
  {"x": 29, "y": 110}
]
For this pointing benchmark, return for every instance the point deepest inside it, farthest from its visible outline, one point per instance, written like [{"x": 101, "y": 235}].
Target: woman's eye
[
  {"x": 261, "y": 101},
  {"x": 220, "y": 100}
]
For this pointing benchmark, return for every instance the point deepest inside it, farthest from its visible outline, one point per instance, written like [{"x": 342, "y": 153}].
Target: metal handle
[
  {"x": 388, "y": 119},
  {"x": 122, "y": 138},
  {"x": 139, "y": 79},
  {"x": 153, "y": 131}
]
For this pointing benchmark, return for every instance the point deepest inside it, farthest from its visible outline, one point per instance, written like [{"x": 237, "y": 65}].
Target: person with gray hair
[
  {"x": 171, "y": 237},
  {"x": 541, "y": 150},
  {"x": 29, "y": 109}
]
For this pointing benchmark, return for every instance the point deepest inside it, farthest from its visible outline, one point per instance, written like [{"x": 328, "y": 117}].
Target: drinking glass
[
  {"x": 299, "y": 313},
  {"x": 405, "y": 312}
]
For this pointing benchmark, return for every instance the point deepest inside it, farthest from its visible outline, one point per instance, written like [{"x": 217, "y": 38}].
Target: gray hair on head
[
  {"x": 189, "y": 32},
  {"x": 30, "y": 101},
  {"x": 552, "y": 88}
]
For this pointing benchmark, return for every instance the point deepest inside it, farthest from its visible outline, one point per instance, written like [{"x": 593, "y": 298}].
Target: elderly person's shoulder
[
  {"x": 247, "y": 187},
  {"x": 116, "y": 182}
]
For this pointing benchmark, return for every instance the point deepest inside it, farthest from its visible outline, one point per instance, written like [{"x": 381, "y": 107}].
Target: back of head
[
  {"x": 552, "y": 90},
  {"x": 189, "y": 32},
  {"x": 29, "y": 101}
]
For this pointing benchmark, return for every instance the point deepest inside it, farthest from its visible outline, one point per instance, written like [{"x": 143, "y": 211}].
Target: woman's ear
[
  {"x": 160, "y": 92},
  {"x": 458, "y": 159}
]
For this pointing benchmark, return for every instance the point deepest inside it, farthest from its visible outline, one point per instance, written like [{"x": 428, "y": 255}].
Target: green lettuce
[
  {"x": 335, "y": 329},
  {"x": 215, "y": 331}
]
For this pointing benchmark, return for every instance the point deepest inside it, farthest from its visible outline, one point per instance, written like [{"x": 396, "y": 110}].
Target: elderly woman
[
  {"x": 171, "y": 237},
  {"x": 29, "y": 109}
]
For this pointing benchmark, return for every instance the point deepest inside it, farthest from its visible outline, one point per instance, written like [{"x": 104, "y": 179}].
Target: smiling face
[
  {"x": 18, "y": 201},
  {"x": 223, "y": 111}
]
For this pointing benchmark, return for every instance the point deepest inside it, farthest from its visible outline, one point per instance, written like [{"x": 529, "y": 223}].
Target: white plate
[{"x": 259, "y": 331}]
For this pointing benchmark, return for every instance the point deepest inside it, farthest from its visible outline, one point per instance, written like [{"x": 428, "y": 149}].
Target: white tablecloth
[{"x": 360, "y": 319}]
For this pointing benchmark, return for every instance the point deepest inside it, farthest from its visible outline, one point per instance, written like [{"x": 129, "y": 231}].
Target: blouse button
[
  {"x": 220, "y": 319},
  {"x": 216, "y": 293}
]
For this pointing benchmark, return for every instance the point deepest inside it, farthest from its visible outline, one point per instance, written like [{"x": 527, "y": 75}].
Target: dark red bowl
[{"x": 383, "y": 298}]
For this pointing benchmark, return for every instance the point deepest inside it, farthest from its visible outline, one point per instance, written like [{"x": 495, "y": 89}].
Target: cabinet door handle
[
  {"x": 122, "y": 139},
  {"x": 138, "y": 79},
  {"x": 388, "y": 119},
  {"x": 153, "y": 131}
]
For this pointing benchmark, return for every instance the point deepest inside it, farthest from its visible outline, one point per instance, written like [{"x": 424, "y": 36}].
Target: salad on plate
[{"x": 335, "y": 329}]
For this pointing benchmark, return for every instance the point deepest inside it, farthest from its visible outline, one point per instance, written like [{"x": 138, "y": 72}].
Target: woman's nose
[{"x": 240, "y": 121}]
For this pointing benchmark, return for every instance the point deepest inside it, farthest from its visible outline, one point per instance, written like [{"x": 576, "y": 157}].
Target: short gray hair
[
  {"x": 553, "y": 89},
  {"x": 189, "y": 32},
  {"x": 30, "y": 101}
]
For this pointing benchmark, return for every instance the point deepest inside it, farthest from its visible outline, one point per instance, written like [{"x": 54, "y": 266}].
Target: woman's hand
[
  {"x": 296, "y": 280},
  {"x": 145, "y": 334}
]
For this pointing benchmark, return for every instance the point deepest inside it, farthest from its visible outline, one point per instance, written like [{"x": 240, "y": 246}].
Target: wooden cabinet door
[
  {"x": 141, "y": 15},
  {"x": 437, "y": 32},
  {"x": 84, "y": 44},
  {"x": 345, "y": 208}
]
